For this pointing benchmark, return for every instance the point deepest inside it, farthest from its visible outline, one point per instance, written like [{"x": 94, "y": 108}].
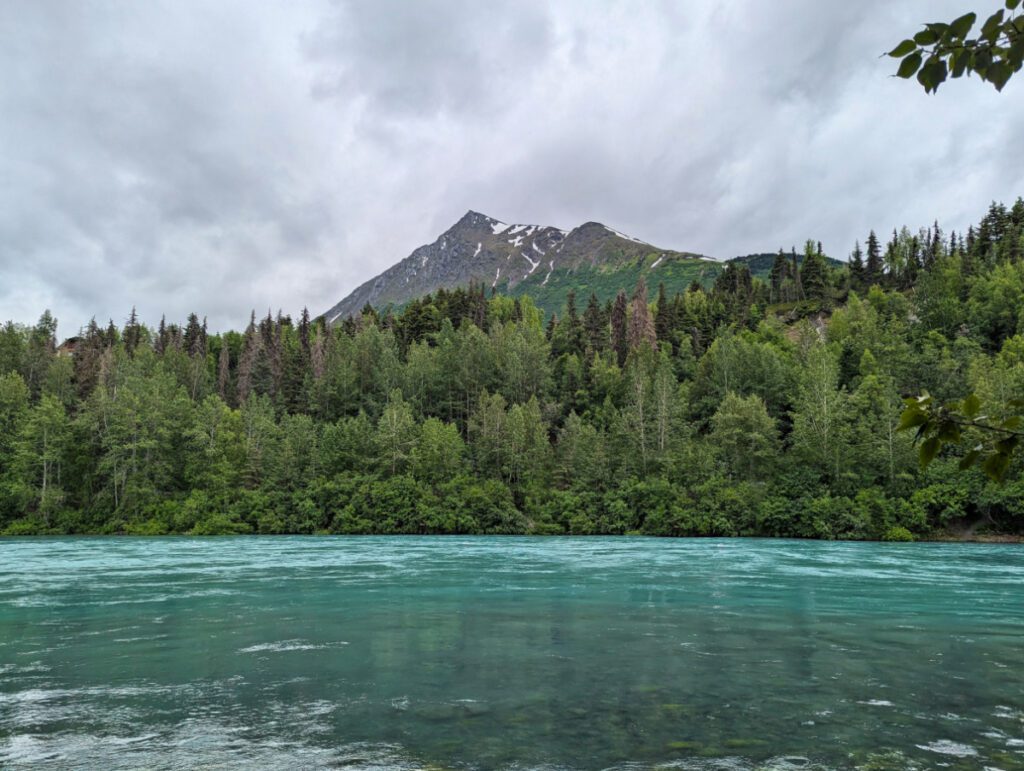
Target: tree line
[{"x": 751, "y": 407}]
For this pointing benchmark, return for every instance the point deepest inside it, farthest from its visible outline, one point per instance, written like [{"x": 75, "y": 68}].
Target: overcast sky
[{"x": 226, "y": 155}]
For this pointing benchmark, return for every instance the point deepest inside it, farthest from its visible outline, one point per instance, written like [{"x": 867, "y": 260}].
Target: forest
[{"x": 750, "y": 407}]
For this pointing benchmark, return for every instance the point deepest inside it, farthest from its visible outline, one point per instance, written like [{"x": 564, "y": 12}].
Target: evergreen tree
[
  {"x": 132, "y": 335},
  {"x": 195, "y": 337},
  {"x": 620, "y": 340},
  {"x": 663, "y": 317},
  {"x": 595, "y": 324},
  {"x": 780, "y": 271},
  {"x": 857, "y": 268},
  {"x": 304, "y": 327},
  {"x": 796, "y": 275},
  {"x": 574, "y": 327},
  {"x": 161, "y": 336},
  {"x": 815, "y": 272},
  {"x": 873, "y": 268}
]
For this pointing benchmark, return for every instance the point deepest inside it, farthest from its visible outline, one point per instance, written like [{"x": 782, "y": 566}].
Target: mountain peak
[
  {"x": 484, "y": 250},
  {"x": 471, "y": 218}
]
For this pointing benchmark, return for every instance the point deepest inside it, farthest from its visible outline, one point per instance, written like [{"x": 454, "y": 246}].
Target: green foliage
[
  {"x": 897, "y": 533},
  {"x": 746, "y": 435},
  {"x": 992, "y": 442},
  {"x": 605, "y": 281},
  {"x": 730, "y": 407},
  {"x": 995, "y": 52}
]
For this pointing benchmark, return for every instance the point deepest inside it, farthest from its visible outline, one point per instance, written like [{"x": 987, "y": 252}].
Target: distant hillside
[
  {"x": 760, "y": 264},
  {"x": 541, "y": 260}
]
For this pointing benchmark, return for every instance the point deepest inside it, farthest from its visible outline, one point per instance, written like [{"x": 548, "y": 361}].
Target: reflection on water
[{"x": 485, "y": 653}]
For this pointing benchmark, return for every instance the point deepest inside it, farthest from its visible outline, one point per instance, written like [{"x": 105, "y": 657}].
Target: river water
[{"x": 509, "y": 653}]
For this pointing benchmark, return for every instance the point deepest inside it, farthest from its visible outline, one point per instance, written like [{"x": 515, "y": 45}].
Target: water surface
[{"x": 509, "y": 653}]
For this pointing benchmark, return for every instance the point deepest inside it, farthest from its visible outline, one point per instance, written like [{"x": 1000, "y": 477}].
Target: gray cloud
[{"x": 187, "y": 156}]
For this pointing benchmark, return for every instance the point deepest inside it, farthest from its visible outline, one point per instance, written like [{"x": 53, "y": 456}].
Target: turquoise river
[{"x": 509, "y": 653}]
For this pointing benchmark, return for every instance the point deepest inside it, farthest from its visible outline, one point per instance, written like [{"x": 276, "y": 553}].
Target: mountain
[{"x": 539, "y": 260}]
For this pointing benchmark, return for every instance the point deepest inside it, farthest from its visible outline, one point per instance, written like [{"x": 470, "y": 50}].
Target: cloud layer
[{"x": 219, "y": 157}]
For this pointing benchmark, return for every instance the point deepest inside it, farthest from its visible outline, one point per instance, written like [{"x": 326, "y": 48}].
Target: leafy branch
[
  {"x": 940, "y": 50},
  {"x": 941, "y": 424}
]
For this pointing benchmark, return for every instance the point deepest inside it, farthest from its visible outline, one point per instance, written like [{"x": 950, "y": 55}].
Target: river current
[{"x": 509, "y": 653}]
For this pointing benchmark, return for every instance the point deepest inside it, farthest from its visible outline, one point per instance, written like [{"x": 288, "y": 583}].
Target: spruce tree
[
  {"x": 304, "y": 332},
  {"x": 574, "y": 329},
  {"x": 798, "y": 283},
  {"x": 132, "y": 333},
  {"x": 857, "y": 268},
  {"x": 815, "y": 272},
  {"x": 595, "y": 325},
  {"x": 111, "y": 337},
  {"x": 780, "y": 270},
  {"x": 162, "y": 338},
  {"x": 873, "y": 267},
  {"x": 620, "y": 342},
  {"x": 663, "y": 316},
  {"x": 195, "y": 337}
]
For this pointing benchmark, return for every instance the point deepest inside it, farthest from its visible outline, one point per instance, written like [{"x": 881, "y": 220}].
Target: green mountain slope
[{"x": 675, "y": 270}]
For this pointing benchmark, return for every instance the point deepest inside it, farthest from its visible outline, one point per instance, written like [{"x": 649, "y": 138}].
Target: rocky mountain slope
[{"x": 542, "y": 261}]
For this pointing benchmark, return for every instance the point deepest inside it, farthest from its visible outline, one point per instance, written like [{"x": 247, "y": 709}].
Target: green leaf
[
  {"x": 909, "y": 66},
  {"x": 998, "y": 74},
  {"x": 903, "y": 49},
  {"x": 948, "y": 432},
  {"x": 993, "y": 26},
  {"x": 911, "y": 418},
  {"x": 932, "y": 74},
  {"x": 1007, "y": 446},
  {"x": 995, "y": 466},
  {"x": 1012, "y": 423},
  {"x": 1012, "y": 4},
  {"x": 963, "y": 25},
  {"x": 971, "y": 406},
  {"x": 929, "y": 449},
  {"x": 969, "y": 459},
  {"x": 980, "y": 61},
  {"x": 958, "y": 62},
  {"x": 926, "y": 37},
  {"x": 1015, "y": 56}
]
